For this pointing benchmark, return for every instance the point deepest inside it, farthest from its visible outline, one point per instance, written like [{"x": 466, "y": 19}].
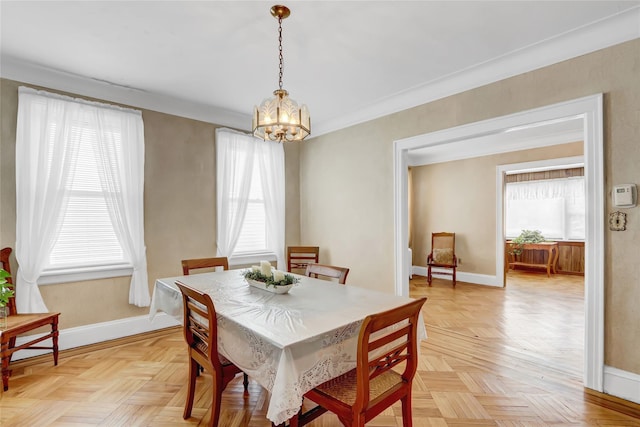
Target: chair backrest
[
  {"x": 4, "y": 259},
  {"x": 194, "y": 264},
  {"x": 443, "y": 247},
  {"x": 200, "y": 326},
  {"x": 299, "y": 256},
  {"x": 396, "y": 344},
  {"x": 330, "y": 271}
]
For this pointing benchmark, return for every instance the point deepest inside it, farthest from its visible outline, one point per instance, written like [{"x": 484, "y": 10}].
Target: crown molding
[{"x": 34, "y": 74}]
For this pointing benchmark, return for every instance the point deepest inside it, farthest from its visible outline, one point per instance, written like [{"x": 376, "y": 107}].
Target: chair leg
[
  {"x": 429, "y": 275},
  {"x": 406, "y": 411},
  {"x": 12, "y": 343},
  {"x": 454, "y": 277},
  {"x": 54, "y": 339},
  {"x": 217, "y": 401},
  {"x": 5, "y": 372},
  {"x": 193, "y": 373},
  {"x": 293, "y": 422},
  {"x": 245, "y": 383}
]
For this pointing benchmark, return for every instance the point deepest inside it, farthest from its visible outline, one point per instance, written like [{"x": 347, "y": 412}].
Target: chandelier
[{"x": 279, "y": 118}]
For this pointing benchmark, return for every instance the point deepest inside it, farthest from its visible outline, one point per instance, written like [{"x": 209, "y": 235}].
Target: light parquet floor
[{"x": 494, "y": 357}]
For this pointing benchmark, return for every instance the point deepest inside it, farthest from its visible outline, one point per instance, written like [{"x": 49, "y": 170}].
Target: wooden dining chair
[
  {"x": 329, "y": 271},
  {"x": 201, "y": 334},
  {"x": 18, "y": 324},
  {"x": 299, "y": 256},
  {"x": 386, "y": 364},
  {"x": 442, "y": 256},
  {"x": 200, "y": 263},
  {"x": 188, "y": 265}
]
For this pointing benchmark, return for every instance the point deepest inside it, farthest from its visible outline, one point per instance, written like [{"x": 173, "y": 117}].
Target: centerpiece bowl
[
  {"x": 266, "y": 278},
  {"x": 280, "y": 289}
]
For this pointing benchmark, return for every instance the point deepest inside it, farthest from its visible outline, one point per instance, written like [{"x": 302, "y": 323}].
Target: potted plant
[
  {"x": 6, "y": 292},
  {"x": 527, "y": 236}
]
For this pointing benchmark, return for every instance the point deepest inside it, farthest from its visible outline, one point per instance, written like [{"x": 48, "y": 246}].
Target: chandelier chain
[{"x": 281, "y": 57}]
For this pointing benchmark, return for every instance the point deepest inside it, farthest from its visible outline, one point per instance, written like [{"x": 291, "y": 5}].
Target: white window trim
[
  {"x": 80, "y": 275},
  {"x": 251, "y": 258}
]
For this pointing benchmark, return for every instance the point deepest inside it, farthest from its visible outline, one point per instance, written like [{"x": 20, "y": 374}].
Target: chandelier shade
[{"x": 280, "y": 118}]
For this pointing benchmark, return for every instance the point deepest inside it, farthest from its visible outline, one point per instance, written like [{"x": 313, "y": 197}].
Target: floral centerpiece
[{"x": 265, "y": 277}]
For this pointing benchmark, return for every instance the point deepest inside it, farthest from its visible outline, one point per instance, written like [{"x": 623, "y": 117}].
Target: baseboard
[
  {"x": 461, "y": 276},
  {"x": 623, "y": 384},
  {"x": 99, "y": 332}
]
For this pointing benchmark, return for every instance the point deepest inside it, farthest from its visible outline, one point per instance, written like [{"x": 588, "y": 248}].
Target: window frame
[
  {"x": 566, "y": 214},
  {"x": 235, "y": 151},
  {"x": 109, "y": 269}
]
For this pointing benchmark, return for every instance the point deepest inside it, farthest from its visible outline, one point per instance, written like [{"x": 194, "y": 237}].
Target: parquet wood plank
[{"x": 85, "y": 414}]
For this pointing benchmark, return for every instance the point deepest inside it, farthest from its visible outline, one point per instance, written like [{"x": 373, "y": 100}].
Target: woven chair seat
[{"x": 344, "y": 387}]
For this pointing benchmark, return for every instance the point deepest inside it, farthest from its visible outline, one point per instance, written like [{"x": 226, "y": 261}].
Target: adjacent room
[{"x": 321, "y": 213}]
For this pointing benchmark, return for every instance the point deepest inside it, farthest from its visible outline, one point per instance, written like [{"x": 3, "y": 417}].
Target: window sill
[
  {"x": 248, "y": 259},
  {"x": 79, "y": 275}
]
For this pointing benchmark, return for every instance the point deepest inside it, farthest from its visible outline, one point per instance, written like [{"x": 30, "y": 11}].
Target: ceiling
[{"x": 349, "y": 61}]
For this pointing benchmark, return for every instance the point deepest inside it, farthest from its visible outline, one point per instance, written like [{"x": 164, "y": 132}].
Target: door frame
[{"x": 590, "y": 111}]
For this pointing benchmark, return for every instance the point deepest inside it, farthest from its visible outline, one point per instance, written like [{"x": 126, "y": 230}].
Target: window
[
  {"x": 555, "y": 207},
  {"x": 253, "y": 234},
  {"x": 79, "y": 186},
  {"x": 87, "y": 237},
  {"x": 250, "y": 198}
]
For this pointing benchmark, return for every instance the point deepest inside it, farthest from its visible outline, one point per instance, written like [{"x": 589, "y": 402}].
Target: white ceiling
[{"x": 349, "y": 61}]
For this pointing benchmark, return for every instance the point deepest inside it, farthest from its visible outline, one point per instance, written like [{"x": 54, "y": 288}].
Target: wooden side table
[{"x": 550, "y": 247}]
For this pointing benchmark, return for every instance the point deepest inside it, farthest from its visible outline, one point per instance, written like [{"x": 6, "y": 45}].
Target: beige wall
[
  {"x": 460, "y": 196},
  {"x": 346, "y": 178},
  {"x": 179, "y": 203}
]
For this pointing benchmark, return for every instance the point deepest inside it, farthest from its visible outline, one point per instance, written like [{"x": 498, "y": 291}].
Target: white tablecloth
[{"x": 288, "y": 343}]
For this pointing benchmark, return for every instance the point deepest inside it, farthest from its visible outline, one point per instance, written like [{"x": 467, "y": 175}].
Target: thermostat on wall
[{"x": 624, "y": 196}]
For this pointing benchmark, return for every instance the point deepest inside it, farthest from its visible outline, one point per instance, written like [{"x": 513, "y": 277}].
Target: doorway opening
[{"x": 499, "y": 135}]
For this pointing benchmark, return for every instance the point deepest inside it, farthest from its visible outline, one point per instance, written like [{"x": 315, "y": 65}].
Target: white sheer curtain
[
  {"x": 555, "y": 207},
  {"x": 271, "y": 164},
  {"x": 121, "y": 171},
  {"x": 40, "y": 190},
  {"x": 234, "y": 159},
  {"x": 47, "y": 144},
  {"x": 239, "y": 156}
]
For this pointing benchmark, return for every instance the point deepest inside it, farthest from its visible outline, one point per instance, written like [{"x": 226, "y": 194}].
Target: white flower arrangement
[{"x": 270, "y": 277}]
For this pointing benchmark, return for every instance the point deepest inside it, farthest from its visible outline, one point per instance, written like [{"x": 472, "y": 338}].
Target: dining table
[{"x": 288, "y": 343}]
